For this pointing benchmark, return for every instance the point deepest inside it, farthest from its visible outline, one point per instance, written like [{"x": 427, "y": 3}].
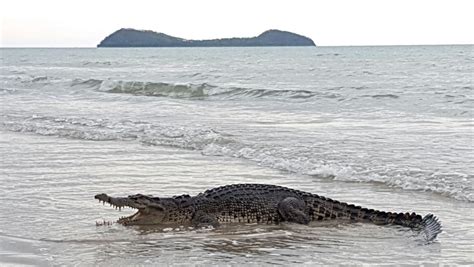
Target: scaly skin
[{"x": 258, "y": 203}]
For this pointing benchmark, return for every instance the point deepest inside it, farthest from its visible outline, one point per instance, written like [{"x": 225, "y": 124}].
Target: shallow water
[{"x": 383, "y": 127}]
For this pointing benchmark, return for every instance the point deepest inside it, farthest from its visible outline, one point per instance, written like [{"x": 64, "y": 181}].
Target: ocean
[{"x": 387, "y": 127}]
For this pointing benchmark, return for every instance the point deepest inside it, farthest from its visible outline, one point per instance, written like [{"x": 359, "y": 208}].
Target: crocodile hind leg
[
  {"x": 202, "y": 219},
  {"x": 293, "y": 210}
]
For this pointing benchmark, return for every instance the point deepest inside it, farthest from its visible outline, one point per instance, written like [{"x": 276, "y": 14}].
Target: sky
[{"x": 84, "y": 23}]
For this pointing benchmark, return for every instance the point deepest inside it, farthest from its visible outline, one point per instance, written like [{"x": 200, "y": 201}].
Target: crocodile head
[{"x": 150, "y": 210}]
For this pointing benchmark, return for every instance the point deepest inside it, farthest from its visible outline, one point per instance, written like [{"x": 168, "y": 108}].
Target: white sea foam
[{"x": 213, "y": 143}]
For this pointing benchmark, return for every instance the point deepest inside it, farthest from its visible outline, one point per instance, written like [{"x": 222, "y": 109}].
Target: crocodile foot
[
  {"x": 202, "y": 219},
  {"x": 293, "y": 210}
]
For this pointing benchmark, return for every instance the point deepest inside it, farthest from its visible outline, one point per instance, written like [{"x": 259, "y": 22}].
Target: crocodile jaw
[
  {"x": 148, "y": 213},
  {"x": 128, "y": 220}
]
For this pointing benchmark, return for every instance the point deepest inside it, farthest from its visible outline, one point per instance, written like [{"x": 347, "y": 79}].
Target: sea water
[{"x": 389, "y": 128}]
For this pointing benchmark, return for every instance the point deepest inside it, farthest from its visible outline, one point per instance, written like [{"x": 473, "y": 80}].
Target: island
[{"x": 145, "y": 38}]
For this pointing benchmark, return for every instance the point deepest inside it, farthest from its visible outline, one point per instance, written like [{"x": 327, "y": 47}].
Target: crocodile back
[{"x": 245, "y": 203}]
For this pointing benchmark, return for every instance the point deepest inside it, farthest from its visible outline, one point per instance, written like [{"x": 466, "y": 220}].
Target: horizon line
[{"x": 355, "y": 45}]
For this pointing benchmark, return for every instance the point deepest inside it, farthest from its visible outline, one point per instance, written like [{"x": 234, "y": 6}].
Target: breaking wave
[
  {"x": 212, "y": 142},
  {"x": 194, "y": 91}
]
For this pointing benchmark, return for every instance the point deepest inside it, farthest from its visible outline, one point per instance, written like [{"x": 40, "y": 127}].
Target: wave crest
[
  {"x": 158, "y": 89},
  {"x": 195, "y": 91}
]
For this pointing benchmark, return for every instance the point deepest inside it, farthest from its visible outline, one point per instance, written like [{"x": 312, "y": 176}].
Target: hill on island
[{"x": 138, "y": 38}]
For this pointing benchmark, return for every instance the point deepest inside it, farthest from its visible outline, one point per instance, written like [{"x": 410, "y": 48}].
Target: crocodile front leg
[
  {"x": 202, "y": 219},
  {"x": 293, "y": 210}
]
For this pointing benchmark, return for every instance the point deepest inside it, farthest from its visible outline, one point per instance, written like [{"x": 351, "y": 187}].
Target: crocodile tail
[
  {"x": 325, "y": 208},
  {"x": 411, "y": 220},
  {"x": 429, "y": 226}
]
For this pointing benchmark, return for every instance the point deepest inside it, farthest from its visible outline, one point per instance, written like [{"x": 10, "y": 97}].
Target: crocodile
[{"x": 258, "y": 203}]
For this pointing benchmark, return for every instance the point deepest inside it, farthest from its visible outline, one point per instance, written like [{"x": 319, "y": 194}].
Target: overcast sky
[{"x": 84, "y": 23}]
